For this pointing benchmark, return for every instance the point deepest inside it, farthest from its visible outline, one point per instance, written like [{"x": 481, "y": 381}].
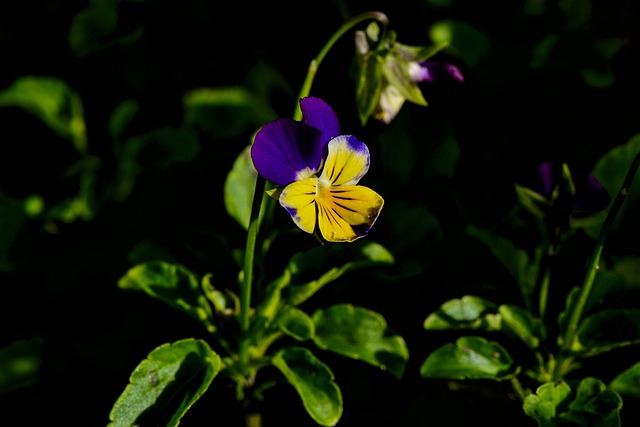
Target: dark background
[{"x": 506, "y": 118}]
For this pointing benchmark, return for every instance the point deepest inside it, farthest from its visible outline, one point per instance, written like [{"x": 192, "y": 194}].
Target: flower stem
[
  {"x": 576, "y": 312},
  {"x": 247, "y": 277},
  {"x": 315, "y": 63}
]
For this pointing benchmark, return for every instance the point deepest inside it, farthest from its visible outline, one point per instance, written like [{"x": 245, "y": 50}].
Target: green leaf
[
  {"x": 520, "y": 323},
  {"x": 627, "y": 382},
  {"x": 171, "y": 283},
  {"x": 462, "y": 40},
  {"x": 589, "y": 403},
  {"x": 361, "y": 334},
  {"x": 610, "y": 170},
  {"x": 239, "y": 188},
  {"x": 122, "y": 117},
  {"x": 296, "y": 323},
  {"x": 166, "y": 384},
  {"x": 608, "y": 287},
  {"x": 20, "y": 361},
  {"x": 225, "y": 112},
  {"x": 606, "y": 330},
  {"x": 362, "y": 253},
  {"x": 368, "y": 84},
  {"x": 472, "y": 358},
  {"x": 313, "y": 380},
  {"x": 96, "y": 27},
  {"x": 162, "y": 148},
  {"x": 468, "y": 312},
  {"x": 53, "y": 102},
  {"x": 395, "y": 70}
]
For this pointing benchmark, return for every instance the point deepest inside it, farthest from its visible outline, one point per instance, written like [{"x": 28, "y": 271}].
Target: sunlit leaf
[
  {"x": 296, "y": 323},
  {"x": 313, "y": 380},
  {"x": 239, "y": 188},
  {"x": 468, "y": 312},
  {"x": 172, "y": 283},
  {"x": 53, "y": 102},
  {"x": 627, "y": 382},
  {"x": 588, "y": 403},
  {"x": 521, "y": 323},
  {"x": 470, "y": 358},
  {"x": 166, "y": 384},
  {"x": 361, "y": 334}
]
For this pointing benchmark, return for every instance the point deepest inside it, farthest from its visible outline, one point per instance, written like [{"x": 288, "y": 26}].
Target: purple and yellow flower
[{"x": 291, "y": 153}]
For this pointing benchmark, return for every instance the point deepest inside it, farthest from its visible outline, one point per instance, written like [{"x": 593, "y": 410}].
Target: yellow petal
[
  {"x": 347, "y": 161},
  {"x": 346, "y": 213},
  {"x": 298, "y": 198}
]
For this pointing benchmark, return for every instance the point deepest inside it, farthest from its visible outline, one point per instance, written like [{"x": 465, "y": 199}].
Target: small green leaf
[
  {"x": 628, "y": 381},
  {"x": 589, "y": 403},
  {"x": 606, "y": 330},
  {"x": 395, "y": 70},
  {"x": 239, "y": 188},
  {"x": 468, "y": 312},
  {"x": 521, "y": 323},
  {"x": 122, "y": 117},
  {"x": 543, "y": 405},
  {"x": 296, "y": 323},
  {"x": 225, "y": 112},
  {"x": 313, "y": 380},
  {"x": 361, "y": 334},
  {"x": 368, "y": 83},
  {"x": 171, "y": 283},
  {"x": 20, "y": 361},
  {"x": 53, "y": 102},
  {"x": 166, "y": 384},
  {"x": 470, "y": 358},
  {"x": 463, "y": 40}
]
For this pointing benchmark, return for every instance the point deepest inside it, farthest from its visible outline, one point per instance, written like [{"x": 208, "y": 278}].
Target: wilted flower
[
  {"x": 389, "y": 73},
  {"x": 290, "y": 154},
  {"x": 561, "y": 198}
]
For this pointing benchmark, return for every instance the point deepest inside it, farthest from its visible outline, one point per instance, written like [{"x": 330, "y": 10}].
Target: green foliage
[
  {"x": 313, "y": 381},
  {"x": 587, "y": 403},
  {"x": 163, "y": 387}
]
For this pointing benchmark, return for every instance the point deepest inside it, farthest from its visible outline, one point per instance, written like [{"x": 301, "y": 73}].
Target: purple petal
[
  {"x": 284, "y": 148},
  {"x": 320, "y": 115},
  {"x": 455, "y": 72}
]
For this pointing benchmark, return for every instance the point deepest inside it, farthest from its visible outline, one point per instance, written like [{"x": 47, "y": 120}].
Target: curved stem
[
  {"x": 578, "y": 308},
  {"x": 315, "y": 63}
]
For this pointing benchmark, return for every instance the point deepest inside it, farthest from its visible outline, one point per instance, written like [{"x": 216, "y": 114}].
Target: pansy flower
[{"x": 292, "y": 153}]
